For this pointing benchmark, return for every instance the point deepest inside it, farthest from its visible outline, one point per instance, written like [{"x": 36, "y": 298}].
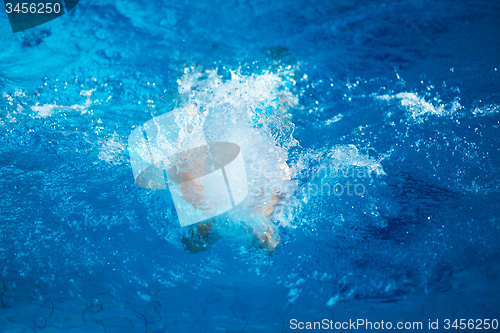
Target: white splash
[
  {"x": 488, "y": 110},
  {"x": 419, "y": 109},
  {"x": 113, "y": 151},
  {"x": 349, "y": 155},
  {"x": 251, "y": 111},
  {"x": 48, "y": 110}
]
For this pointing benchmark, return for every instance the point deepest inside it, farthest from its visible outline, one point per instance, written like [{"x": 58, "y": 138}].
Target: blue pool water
[{"x": 398, "y": 99}]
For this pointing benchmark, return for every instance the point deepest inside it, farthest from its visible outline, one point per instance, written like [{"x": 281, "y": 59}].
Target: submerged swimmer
[
  {"x": 255, "y": 213},
  {"x": 248, "y": 112},
  {"x": 201, "y": 235}
]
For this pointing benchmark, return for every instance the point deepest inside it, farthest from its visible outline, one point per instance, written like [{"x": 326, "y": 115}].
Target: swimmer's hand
[{"x": 267, "y": 239}]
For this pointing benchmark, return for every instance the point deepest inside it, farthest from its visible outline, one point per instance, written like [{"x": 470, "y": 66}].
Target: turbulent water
[{"x": 383, "y": 119}]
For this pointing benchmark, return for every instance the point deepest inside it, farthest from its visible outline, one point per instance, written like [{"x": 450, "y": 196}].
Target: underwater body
[{"x": 377, "y": 124}]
